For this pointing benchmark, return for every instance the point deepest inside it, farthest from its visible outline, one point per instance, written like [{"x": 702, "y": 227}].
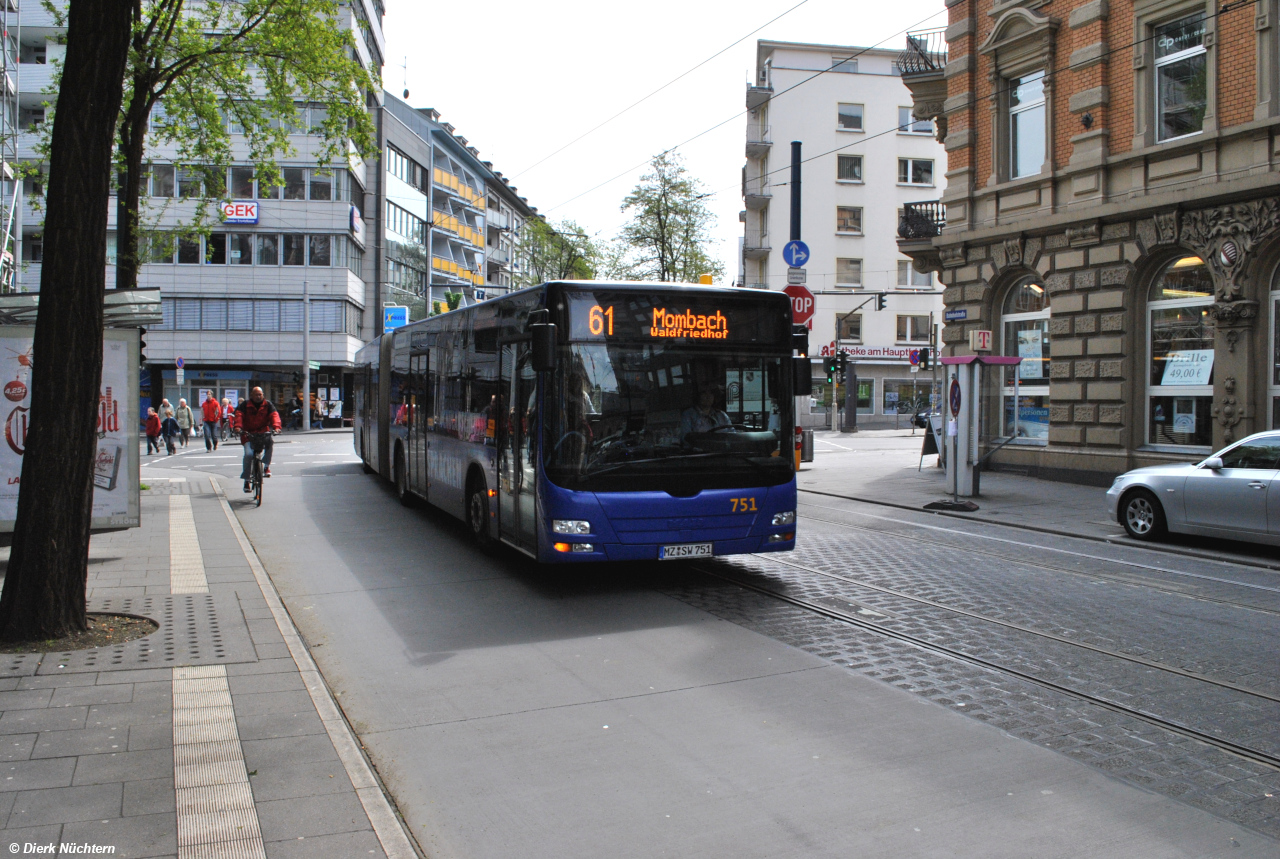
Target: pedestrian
[
  {"x": 166, "y": 409},
  {"x": 186, "y": 420},
  {"x": 212, "y": 415},
  {"x": 153, "y": 431},
  {"x": 170, "y": 430}
]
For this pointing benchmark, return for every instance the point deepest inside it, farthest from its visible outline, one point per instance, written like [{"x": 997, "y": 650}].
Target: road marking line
[
  {"x": 215, "y": 811},
  {"x": 386, "y": 825}
]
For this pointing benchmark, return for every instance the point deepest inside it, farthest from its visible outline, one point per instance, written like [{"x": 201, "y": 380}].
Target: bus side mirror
[
  {"x": 803, "y": 376},
  {"x": 544, "y": 347}
]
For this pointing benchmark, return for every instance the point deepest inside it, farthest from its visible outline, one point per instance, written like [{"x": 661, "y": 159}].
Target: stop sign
[{"x": 801, "y": 303}]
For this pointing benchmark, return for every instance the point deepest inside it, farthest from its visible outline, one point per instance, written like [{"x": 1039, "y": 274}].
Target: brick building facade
[{"x": 1112, "y": 214}]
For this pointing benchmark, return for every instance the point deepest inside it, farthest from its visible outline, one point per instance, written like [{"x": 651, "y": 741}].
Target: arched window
[
  {"x": 1025, "y": 329},
  {"x": 1180, "y": 337}
]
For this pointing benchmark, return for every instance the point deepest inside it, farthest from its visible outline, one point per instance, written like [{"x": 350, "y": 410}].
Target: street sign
[
  {"x": 980, "y": 341},
  {"x": 181, "y": 376},
  {"x": 915, "y": 369},
  {"x": 797, "y": 275},
  {"x": 801, "y": 303},
  {"x": 179, "y": 362},
  {"x": 795, "y": 253},
  {"x": 954, "y": 397},
  {"x": 956, "y": 314},
  {"x": 315, "y": 365},
  {"x": 914, "y": 358}
]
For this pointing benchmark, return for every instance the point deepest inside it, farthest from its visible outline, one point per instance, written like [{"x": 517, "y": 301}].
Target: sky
[{"x": 520, "y": 80}]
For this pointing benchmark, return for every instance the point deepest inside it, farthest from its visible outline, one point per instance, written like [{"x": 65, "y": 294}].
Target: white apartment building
[
  {"x": 233, "y": 302},
  {"x": 864, "y": 157}
]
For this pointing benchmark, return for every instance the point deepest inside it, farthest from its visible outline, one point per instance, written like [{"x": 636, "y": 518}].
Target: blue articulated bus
[{"x": 588, "y": 421}]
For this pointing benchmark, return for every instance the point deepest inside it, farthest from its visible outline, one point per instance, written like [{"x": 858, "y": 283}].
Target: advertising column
[{"x": 115, "y": 470}]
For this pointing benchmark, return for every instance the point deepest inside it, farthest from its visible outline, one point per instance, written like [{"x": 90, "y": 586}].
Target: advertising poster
[
  {"x": 1188, "y": 367},
  {"x": 1184, "y": 415},
  {"x": 1031, "y": 351},
  {"x": 115, "y": 469}
]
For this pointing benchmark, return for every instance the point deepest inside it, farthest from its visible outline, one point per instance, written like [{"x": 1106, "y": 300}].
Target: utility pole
[
  {"x": 795, "y": 190},
  {"x": 306, "y": 357}
]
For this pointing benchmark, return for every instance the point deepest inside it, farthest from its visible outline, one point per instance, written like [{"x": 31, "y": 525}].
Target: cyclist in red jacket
[{"x": 256, "y": 415}]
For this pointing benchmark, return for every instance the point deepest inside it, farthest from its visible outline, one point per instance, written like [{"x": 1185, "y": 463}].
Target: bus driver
[{"x": 704, "y": 417}]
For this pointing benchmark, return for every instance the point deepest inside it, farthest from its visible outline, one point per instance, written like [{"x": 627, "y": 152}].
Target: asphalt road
[{"x": 1004, "y": 695}]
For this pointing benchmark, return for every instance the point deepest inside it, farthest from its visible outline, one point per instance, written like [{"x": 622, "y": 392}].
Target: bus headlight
[
  {"x": 571, "y": 526},
  {"x": 788, "y": 518}
]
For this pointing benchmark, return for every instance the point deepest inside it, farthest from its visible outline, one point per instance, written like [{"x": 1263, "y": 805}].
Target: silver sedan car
[{"x": 1234, "y": 494}]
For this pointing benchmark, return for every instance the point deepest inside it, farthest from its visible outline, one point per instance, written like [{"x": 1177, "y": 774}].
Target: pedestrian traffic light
[
  {"x": 881, "y": 301},
  {"x": 829, "y": 364},
  {"x": 924, "y": 358}
]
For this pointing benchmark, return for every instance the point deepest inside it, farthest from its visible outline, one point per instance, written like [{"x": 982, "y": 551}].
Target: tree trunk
[
  {"x": 128, "y": 218},
  {"x": 44, "y": 587}
]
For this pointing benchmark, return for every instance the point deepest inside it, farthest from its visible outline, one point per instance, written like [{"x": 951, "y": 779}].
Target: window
[
  {"x": 913, "y": 329},
  {"x": 845, "y": 65},
  {"x": 215, "y": 249},
  {"x": 318, "y": 250},
  {"x": 293, "y": 249},
  {"x": 240, "y": 248},
  {"x": 1025, "y": 335},
  {"x": 915, "y": 171},
  {"x": 186, "y": 314},
  {"x": 189, "y": 184},
  {"x": 849, "y": 117},
  {"x": 242, "y": 183},
  {"x": 1026, "y": 125},
  {"x": 157, "y": 248},
  {"x": 850, "y": 325},
  {"x": 268, "y": 192},
  {"x": 291, "y": 316},
  {"x": 240, "y": 314},
  {"x": 189, "y": 251},
  {"x": 849, "y": 219},
  {"x": 1181, "y": 75},
  {"x": 268, "y": 250},
  {"x": 318, "y": 116},
  {"x": 162, "y": 180},
  {"x": 321, "y": 185},
  {"x": 266, "y": 316},
  {"x": 908, "y": 124},
  {"x": 32, "y": 249},
  {"x": 327, "y": 316},
  {"x": 849, "y": 168},
  {"x": 848, "y": 272},
  {"x": 1180, "y": 337},
  {"x": 295, "y": 183},
  {"x": 908, "y": 276},
  {"x": 213, "y": 314}
]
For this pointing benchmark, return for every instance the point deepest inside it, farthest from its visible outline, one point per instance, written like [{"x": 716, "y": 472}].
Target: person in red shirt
[
  {"x": 153, "y": 431},
  {"x": 256, "y": 415},
  {"x": 212, "y": 414}
]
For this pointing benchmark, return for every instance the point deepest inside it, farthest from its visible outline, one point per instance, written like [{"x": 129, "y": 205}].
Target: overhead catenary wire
[
  {"x": 709, "y": 129},
  {"x": 640, "y": 101}
]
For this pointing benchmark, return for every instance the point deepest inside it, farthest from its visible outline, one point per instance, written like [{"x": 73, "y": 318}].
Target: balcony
[
  {"x": 756, "y": 193},
  {"x": 918, "y": 225},
  {"x": 449, "y": 267},
  {"x": 450, "y": 182},
  {"x": 926, "y": 53},
  {"x": 502, "y": 256},
  {"x": 758, "y": 96},
  {"x": 758, "y": 142},
  {"x": 755, "y": 245}
]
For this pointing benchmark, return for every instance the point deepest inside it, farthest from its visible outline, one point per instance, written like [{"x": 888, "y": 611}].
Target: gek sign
[
  {"x": 240, "y": 212},
  {"x": 801, "y": 304}
]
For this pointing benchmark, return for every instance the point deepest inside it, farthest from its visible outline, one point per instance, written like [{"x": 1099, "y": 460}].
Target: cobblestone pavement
[{"x": 1087, "y": 603}]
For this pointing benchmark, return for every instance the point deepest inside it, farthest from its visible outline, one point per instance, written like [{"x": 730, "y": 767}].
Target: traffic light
[
  {"x": 881, "y": 301},
  {"x": 297, "y": 380},
  {"x": 829, "y": 364},
  {"x": 924, "y": 358},
  {"x": 841, "y": 362}
]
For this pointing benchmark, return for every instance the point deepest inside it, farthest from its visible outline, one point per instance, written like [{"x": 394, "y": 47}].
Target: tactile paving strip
[{"x": 195, "y": 629}]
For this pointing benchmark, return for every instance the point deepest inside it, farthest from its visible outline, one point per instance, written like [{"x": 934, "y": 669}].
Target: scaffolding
[{"x": 10, "y": 183}]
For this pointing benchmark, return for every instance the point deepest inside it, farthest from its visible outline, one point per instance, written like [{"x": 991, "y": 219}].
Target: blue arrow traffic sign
[{"x": 796, "y": 254}]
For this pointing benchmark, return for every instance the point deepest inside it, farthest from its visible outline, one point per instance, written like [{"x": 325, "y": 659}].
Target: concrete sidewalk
[{"x": 214, "y": 736}]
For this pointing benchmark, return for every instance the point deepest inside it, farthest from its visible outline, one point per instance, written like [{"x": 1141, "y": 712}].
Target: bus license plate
[{"x": 684, "y": 550}]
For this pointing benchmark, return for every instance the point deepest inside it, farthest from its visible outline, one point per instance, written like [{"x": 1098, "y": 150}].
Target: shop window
[
  {"x": 1026, "y": 125},
  {"x": 1181, "y": 76},
  {"x": 1025, "y": 335},
  {"x": 1180, "y": 350},
  {"x": 905, "y": 396}
]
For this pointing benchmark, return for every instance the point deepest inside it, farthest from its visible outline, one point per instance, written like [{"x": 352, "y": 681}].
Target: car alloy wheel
[{"x": 1140, "y": 515}]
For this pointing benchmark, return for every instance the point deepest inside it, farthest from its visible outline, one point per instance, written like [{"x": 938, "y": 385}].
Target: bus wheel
[
  {"x": 402, "y": 481},
  {"x": 478, "y": 512}
]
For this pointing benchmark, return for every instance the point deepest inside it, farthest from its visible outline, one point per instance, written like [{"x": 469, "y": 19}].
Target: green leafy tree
[
  {"x": 557, "y": 252},
  {"x": 668, "y": 236},
  {"x": 214, "y": 65},
  {"x": 44, "y": 585}
]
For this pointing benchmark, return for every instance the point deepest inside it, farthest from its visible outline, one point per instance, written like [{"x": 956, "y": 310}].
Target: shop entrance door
[{"x": 518, "y": 448}]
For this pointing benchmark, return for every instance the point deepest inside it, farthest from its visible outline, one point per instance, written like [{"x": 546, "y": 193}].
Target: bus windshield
[{"x": 667, "y": 416}]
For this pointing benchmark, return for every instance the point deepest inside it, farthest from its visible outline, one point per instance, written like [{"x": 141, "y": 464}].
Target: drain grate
[{"x": 195, "y": 629}]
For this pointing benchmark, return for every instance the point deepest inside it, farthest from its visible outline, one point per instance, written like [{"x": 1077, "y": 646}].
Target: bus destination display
[{"x": 606, "y": 317}]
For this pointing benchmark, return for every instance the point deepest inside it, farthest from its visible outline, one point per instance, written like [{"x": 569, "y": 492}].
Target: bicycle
[
  {"x": 258, "y": 441},
  {"x": 225, "y": 429}
]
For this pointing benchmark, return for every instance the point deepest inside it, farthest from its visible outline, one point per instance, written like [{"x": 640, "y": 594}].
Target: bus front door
[
  {"x": 517, "y": 449},
  {"x": 419, "y": 408}
]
